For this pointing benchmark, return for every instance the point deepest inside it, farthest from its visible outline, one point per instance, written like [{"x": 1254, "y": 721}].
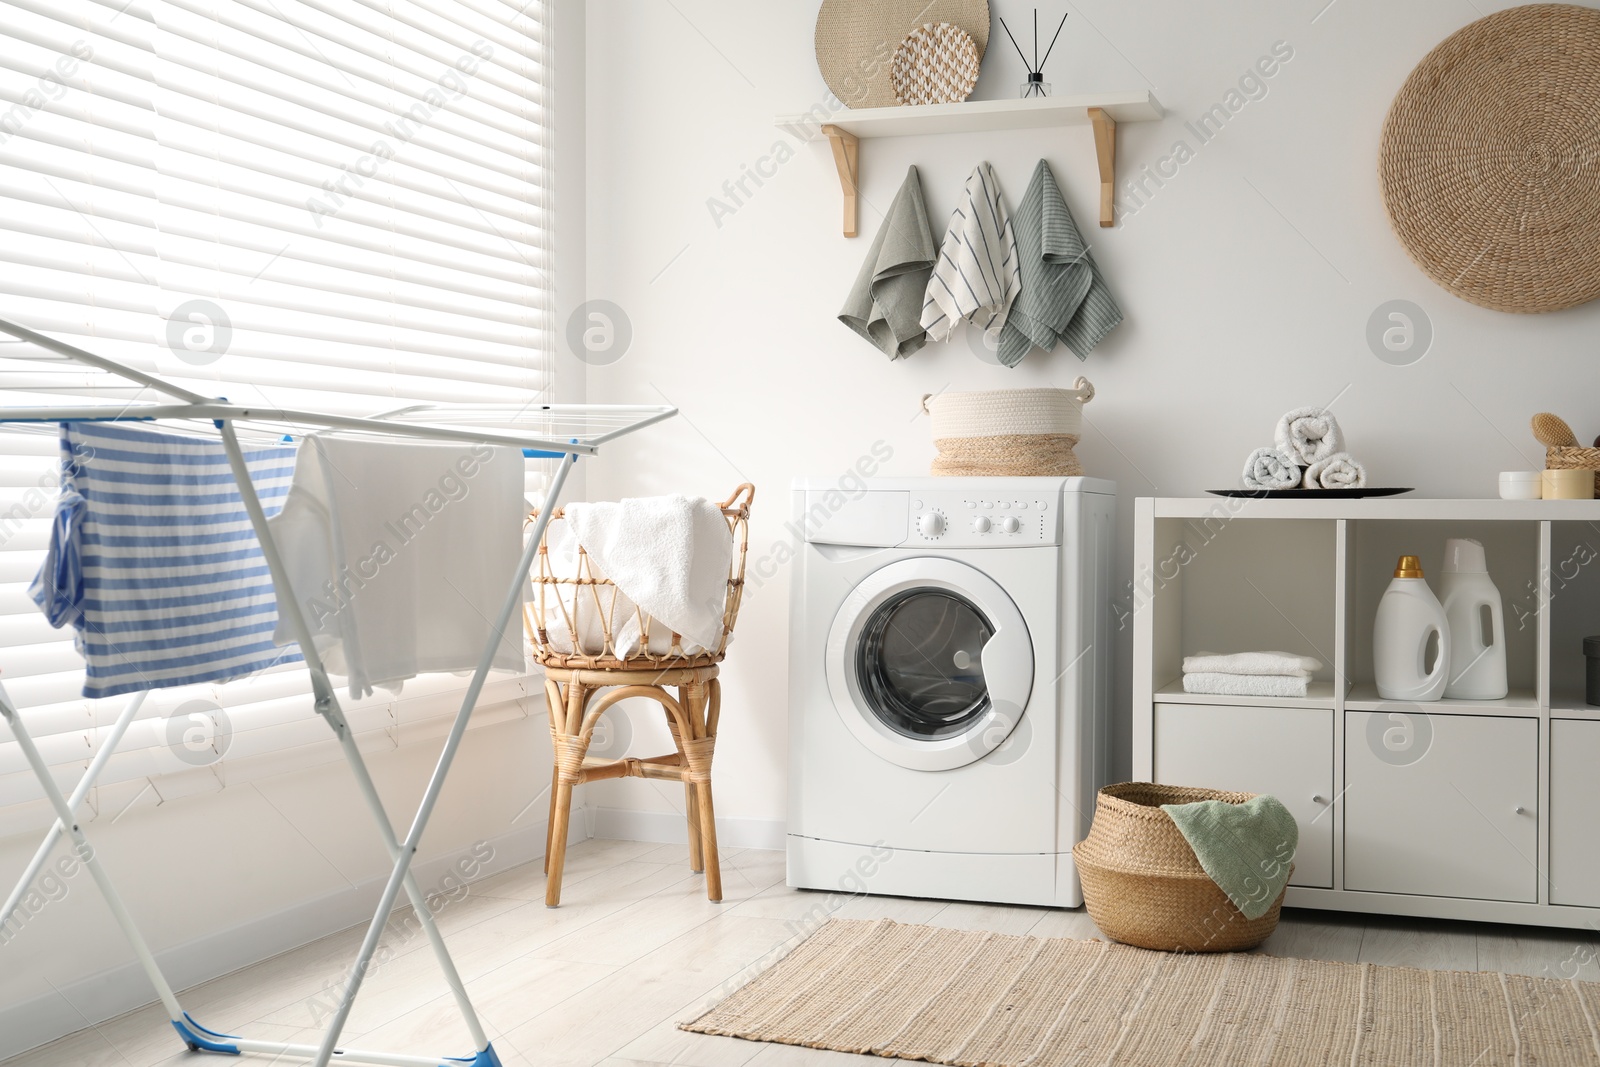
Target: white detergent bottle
[
  {"x": 1409, "y": 615},
  {"x": 1476, "y": 617}
]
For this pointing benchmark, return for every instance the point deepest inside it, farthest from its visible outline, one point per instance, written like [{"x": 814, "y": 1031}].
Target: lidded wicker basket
[
  {"x": 1142, "y": 883},
  {"x": 1008, "y": 432},
  {"x": 583, "y": 607}
]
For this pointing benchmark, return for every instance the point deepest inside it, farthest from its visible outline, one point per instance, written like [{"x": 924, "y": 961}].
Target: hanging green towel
[
  {"x": 1245, "y": 848},
  {"x": 1063, "y": 295},
  {"x": 885, "y": 304}
]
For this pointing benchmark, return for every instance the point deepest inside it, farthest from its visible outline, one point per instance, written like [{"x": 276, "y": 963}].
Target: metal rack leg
[
  {"x": 86, "y": 783},
  {"x": 327, "y": 705},
  {"x": 430, "y": 797},
  {"x": 64, "y": 813}
]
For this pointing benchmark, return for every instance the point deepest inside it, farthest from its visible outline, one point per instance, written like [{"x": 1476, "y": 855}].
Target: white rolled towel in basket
[{"x": 1008, "y": 432}]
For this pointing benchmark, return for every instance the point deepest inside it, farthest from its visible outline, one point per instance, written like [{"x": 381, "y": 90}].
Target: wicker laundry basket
[
  {"x": 1565, "y": 458},
  {"x": 1142, "y": 883},
  {"x": 1008, "y": 432}
]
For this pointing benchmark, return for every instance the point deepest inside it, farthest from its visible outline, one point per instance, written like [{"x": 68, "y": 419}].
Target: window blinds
[{"x": 339, "y": 205}]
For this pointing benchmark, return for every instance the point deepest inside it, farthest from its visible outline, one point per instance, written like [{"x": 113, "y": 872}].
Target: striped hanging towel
[
  {"x": 976, "y": 278},
  {"x": 1063, "y": 296},
  {"x": 154, "y": 562}
]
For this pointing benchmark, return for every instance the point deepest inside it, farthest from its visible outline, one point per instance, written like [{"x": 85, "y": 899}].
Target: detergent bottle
[
  {"x": 1476, "y": 618},
  {"x": 1408, "y": 616}
]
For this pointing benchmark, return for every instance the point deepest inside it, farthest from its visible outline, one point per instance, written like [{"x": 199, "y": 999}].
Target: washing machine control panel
[{"x": 964, "y": 520}]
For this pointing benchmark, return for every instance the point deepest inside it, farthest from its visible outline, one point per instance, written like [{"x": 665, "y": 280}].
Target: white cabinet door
[
  {"x": 1287, "y": 752},
  {"x": 1441, "y": 805},
  {"x": 1574, "y": 812}
]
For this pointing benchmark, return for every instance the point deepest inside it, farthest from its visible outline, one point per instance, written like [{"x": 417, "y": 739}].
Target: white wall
[{"x": 1247, "y": 281}]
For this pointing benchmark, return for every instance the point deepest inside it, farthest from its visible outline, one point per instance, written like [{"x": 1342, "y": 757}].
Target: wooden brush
[{"x": 1552, "y": 431}]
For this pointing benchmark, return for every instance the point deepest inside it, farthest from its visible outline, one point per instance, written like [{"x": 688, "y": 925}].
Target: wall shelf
[{"x": 1102, "y": 111}]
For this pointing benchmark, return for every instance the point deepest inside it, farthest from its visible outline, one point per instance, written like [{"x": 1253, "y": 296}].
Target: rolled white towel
[
  {"x": 1283, "y": 663},
  {"x": 1270, "y": 468},
  {"x": 1246, "y": 685},
  {"x": 1307, "y": 435},
  {"x": 1338, "y": 471}
]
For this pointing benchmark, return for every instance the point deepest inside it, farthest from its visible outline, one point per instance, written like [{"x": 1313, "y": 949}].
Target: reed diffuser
[{"x": 1035, "y": 85}]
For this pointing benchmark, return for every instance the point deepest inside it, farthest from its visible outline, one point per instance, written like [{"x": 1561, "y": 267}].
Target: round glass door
[
  {"x": 929, "y": 663},
  {"x": 919, "y": 663}
]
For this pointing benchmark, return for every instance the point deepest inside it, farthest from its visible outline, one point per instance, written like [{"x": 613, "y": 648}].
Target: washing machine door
[{"x": 930, "y": 664}]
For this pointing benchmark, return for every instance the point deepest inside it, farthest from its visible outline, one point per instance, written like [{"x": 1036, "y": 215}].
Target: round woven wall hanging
[
  {"x": 1490, "y": 160},
  {"x": 935, "y": 64},
  {"x": 857, "y": 39}
]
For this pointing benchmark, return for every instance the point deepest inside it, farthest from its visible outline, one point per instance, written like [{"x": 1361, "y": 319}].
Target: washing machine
[{"x": 950, "y": 668}]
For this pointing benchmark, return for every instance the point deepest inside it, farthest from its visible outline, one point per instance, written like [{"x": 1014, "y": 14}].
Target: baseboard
[
  {"x": 669, "y": 828},
  {"x": 122, "y": 989}
]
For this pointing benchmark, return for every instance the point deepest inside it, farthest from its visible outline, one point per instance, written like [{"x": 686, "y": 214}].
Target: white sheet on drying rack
[{"x": 398, "y": 551}]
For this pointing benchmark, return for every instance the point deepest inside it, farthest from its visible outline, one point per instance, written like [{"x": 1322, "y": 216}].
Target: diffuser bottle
[
  {"x": 1476, "y": 618},
  {"x": 1409, "y": 617}
]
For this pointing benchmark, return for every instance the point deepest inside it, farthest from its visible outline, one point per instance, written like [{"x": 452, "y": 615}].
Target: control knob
[
  {"x": 1009, "y": 524},
  {"x": 931, "y": 524},
  {"x": 981, "y": 524}
]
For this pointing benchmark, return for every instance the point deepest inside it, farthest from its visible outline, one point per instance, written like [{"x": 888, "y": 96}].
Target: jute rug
[{"x": 998, "y": 1000}]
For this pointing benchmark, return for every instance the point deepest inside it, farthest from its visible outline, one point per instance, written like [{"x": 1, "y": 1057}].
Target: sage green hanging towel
[
  {"x": 1063, "y": 297},
  {"x": 1245, "y": 848},
  {"x": 885, "y": 304}
]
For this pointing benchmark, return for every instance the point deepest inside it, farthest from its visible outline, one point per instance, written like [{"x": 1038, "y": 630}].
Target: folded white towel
[
  {"x": 977, "y": 275},
  {"x": 1245, "y": 685},
  {"x": 1270, "y": 468},
  {"x": 1307, "y": 435},
  {"x": 1282, "y": 663},
  {"x": 1338, "y": 471},
  {"x": 668, "y": 554}
]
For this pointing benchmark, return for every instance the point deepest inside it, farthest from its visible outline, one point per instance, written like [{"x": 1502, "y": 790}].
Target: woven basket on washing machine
[{"x": 1008, "y": 432}]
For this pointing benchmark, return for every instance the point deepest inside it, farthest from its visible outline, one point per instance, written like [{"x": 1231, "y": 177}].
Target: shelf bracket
[
  {"x": 846, "y": 157},
  {"x": 1105, "y": 150}
]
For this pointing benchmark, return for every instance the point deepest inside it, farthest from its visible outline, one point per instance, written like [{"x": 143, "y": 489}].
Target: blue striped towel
[{"x": 153, "y": 560}]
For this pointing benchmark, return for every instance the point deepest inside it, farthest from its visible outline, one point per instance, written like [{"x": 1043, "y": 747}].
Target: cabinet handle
[
  {"x": 1316, "y": 798},
  {"x": 1521, "y": 810}
]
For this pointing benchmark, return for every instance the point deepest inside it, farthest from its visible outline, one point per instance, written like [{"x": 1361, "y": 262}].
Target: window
[{"x": 335, "y": 206}]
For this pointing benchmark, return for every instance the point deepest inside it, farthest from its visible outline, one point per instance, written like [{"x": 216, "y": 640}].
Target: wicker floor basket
[
  {"x": 1142, "y": 883},
  {"x": 1562, "y": 458}
]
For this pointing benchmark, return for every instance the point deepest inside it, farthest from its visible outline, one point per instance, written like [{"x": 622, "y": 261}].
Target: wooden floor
[{"x": 636, "y": 947}]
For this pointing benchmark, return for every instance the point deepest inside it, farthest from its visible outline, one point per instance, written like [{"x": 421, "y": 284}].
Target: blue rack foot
[
  {"x": 486, "y": 1058},
  {"x": 192, "y": 1032}
]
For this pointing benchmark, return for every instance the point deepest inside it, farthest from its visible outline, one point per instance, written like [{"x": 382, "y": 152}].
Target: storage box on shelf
[{"x": 1458, "y": 808}]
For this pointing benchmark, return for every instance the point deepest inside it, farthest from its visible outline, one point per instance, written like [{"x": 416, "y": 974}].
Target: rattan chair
[{"x": 584, "y": 603}]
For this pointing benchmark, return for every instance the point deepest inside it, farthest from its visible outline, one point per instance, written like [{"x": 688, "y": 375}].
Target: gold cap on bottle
[{"x": 1408, "y": 567}]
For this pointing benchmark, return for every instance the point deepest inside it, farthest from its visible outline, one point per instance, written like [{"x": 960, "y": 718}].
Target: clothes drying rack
[{"x": 583, "y": 429}]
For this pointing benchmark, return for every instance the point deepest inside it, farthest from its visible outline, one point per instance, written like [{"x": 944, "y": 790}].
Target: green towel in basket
[{"x": 1245, "y": 848}]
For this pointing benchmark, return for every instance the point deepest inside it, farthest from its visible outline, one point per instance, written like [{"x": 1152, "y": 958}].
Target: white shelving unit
[
  {"x": 1103, "y": 111},
  {"x": 1457, "y": 809}
]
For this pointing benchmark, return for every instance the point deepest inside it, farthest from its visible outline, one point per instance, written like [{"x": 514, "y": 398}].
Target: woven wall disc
[
  {"x": 935, "y": 64},
  {"x": 1490, "y": 160},
  {"x": 856, "y": 41}
]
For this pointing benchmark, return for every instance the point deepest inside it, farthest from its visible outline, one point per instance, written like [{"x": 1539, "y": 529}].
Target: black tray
[{"x": 1311, "y": 494}]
